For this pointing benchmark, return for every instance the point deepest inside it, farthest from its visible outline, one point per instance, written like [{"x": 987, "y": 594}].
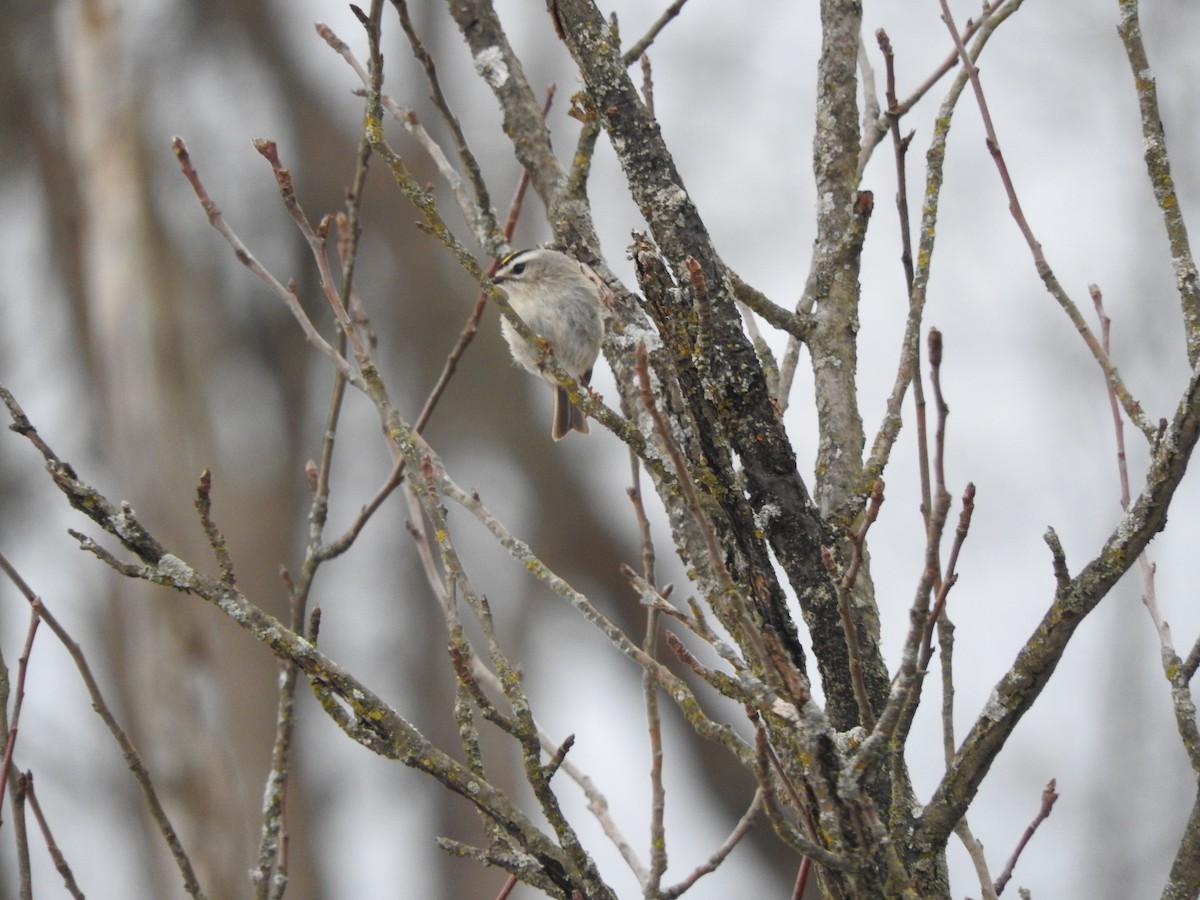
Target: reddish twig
[
  {"x": 1114, "y": 406},
  {"x": 1049, "y": 796},
  {"x": 471, "y": 326},
  {"x": 1177, "y": 671},
  {"x": 630, "y": 56},
  {"x": 449, "y": 367},
  {"x": 1147, "y": 567},
  {"x": 766, "y": 762},
  {"x": 908, "y": 367},
  {"x": 900, "y": 148},
  {"x": 943, "y": 411},
  {"x": 316, "y": 240},
  {"x": 1132, "y": 408},
  {"x": 286, "y": 294},
  {"x": 858, "y": 538},
  {"x": 56, "y": 855},
  {"x": 950, "y": 577},
  {"x": 944, "y": 581},
  {"x": 132, "y": 758},
  {"x": 845, "y": 588},
  {"x": 740, "y": 830},
  {"x": 935, "y": 507},
  {"x": 483, "y": 201},
  {"x": 658, "y": 797},
  {"x": 992, "y": 14},
  {"x": 896, "y": 718},
  {"x": 802, "y": 878},
  {"x": 18, "y": 703},
  {"x": 648, "y": 86},
  {"x": 951, "y": 59},
  {"x": 510, "y": 884},
  {"x": 270, "y": 877}
]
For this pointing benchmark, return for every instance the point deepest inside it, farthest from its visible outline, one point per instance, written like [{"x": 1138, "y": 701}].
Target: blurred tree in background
[{"x": 655, "y": 660}]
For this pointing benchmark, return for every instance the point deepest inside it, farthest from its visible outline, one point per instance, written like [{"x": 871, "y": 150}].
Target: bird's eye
[{"x": 518, "y": 269}]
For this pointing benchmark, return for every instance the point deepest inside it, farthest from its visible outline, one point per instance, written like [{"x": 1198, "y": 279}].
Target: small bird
[{"x": 561, "y": 302}]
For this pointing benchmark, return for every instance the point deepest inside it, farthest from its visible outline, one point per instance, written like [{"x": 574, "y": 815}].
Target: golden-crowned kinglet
[{"x": 558, "y": 300}]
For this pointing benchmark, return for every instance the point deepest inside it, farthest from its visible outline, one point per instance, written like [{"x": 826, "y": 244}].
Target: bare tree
[{"x": 804, "y": 710}]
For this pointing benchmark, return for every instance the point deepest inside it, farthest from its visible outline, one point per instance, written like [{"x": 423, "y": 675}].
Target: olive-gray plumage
[{"x": 557, "y": 300}]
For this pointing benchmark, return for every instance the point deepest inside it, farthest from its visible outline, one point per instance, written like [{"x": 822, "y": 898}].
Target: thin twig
[
  {"x": 556, "y": 760},
  {"x": 273, "y": 840},
  {"x": 990, "y": 17},
  {"x": 900, "y": 148},
  {"x": 630, "y": 56},
  {"x": 740, "y": 830},
  {"x": 484, "y": 222},
  {"x": 316, "y": 240},
  {"x": 866, "y": 73},
  {"x": 1049, "y": 796},
  {"x": 286, "y": 294},
  {"x": 449, "y": 367},
  {"x": 765, "y": 763},
  {"x": 408, "y": 120},
  {"x": 648, "y": 85},
  {"x": 597, "y": 802},
  {"x": 5, "y": 696},
  {"x": 896, "y": 718},
  {"x": 21, "y": 840},
  {"x": 801, "y": 883},
  {"x": 797, "y": 324},
  {"x": 56, "y": 855},
  {"x": 1113, "y": 405},
  {"x": 508, "y": 887},
  {"x": 937, "y": 618},
  {"x": 658, "y": 805},
  {"x": 935, "y": 507},
  {"x": 720, "y": 682},
  {"x": 845, "y": 592},
  {"x": 349, "y": 233},
  {"x": 464, "y": 661},
  {"x": 978, "y": 859},
  {"x": 1175, "y": 669},
  {"x": 675, "y": 687},
  {"x": 132, "y": 758},
  {"x": 908, "y": 364},
  {"x": 1192, "y": 662},
  {"x": 471, "y": 327},
  {"x": 1132, "y": 408},
  {"x": 19, "y": 702},
  {"x": 216, "y": 540},
  {"x": 1158, "y": 167}
]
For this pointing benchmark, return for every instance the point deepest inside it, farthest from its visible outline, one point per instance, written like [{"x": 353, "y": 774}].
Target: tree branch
[
  {"x": 1074, "y": 599},
  {"x": 1158, "y": 167}
]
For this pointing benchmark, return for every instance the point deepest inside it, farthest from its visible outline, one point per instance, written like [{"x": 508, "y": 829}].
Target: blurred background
[{"x": 144, "y": 352}]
